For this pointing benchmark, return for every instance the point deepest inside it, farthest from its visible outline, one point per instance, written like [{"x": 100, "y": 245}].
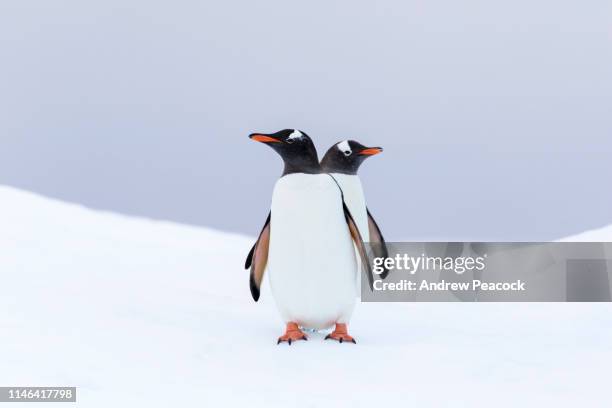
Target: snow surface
[
  {"x": 141, "y": 313},
  {"x": 598, "y": 235}
]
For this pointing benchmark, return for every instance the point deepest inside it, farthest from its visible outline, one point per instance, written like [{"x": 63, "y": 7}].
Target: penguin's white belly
[
  {"x": 355, "y": 201},
  {"x": 311, "y": 260}
]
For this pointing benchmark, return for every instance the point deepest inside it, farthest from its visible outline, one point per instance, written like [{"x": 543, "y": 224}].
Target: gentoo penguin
[
  {"x": 307, "y": 244},
  {"x": 342, "y": 161}
]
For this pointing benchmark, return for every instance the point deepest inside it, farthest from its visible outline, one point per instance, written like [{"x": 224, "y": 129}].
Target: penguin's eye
[
  {"x": 290, "y": 140},
  {"x": 347, "y": 152}
]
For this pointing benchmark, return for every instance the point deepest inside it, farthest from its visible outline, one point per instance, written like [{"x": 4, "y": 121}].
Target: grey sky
[{"x": 495, "y": 116}]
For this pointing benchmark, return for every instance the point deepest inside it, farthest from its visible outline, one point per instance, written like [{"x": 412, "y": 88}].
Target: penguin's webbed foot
[
  {"x": 292, "y": 333},
  {"x": 340, "y": 334}
]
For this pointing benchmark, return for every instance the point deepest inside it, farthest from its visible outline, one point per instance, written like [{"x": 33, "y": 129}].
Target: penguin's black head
[
  {"x": 295, "y": 148},
  {"x": 345, "y": 157}
]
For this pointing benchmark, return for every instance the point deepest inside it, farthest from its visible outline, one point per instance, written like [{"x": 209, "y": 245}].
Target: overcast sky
[{"x": 496, "y": 117}]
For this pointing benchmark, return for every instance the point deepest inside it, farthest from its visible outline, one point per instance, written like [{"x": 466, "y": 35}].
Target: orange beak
[
  {"x": 263, "y": 138},
  {"x": 371, "y": 151}
]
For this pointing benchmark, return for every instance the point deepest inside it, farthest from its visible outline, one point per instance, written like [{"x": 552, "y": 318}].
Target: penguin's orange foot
[
  {"x": 292, "y": 333},
  {"x": 340, "y": 334}
]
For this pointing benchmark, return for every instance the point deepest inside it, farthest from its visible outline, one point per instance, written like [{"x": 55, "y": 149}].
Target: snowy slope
[
  {"x": 142, "y": 313},
  {"x": 598, "y": 235}
]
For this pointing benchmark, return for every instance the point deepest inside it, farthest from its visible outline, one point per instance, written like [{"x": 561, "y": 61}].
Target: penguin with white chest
[
  {"x": 342, "y": 161},
  {"x": 307, "y": 244}
]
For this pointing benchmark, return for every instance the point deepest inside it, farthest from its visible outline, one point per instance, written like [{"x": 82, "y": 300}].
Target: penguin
[
  {"x": 342, "y": 161},
  {"x": 306, "y": 245}
]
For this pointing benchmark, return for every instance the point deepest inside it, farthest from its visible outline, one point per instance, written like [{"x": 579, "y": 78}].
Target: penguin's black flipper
[
  {"x": 247, "y": 263},
  {"x": 356, "y": 235},
  {"x": 249, "y": 259},
  {"x": 258, "y": 259},
  {"x": 379, "y": 247}
]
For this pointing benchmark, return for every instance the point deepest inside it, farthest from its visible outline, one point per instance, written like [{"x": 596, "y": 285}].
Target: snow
[
  {"x": 136, "y": 312},
  {"x": 598, "y": 235}
]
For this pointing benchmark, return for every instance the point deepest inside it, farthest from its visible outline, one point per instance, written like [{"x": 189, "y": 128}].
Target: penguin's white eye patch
[
  {"x": 294, "y": 136},
  {"x": 345, "y": 148}
]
